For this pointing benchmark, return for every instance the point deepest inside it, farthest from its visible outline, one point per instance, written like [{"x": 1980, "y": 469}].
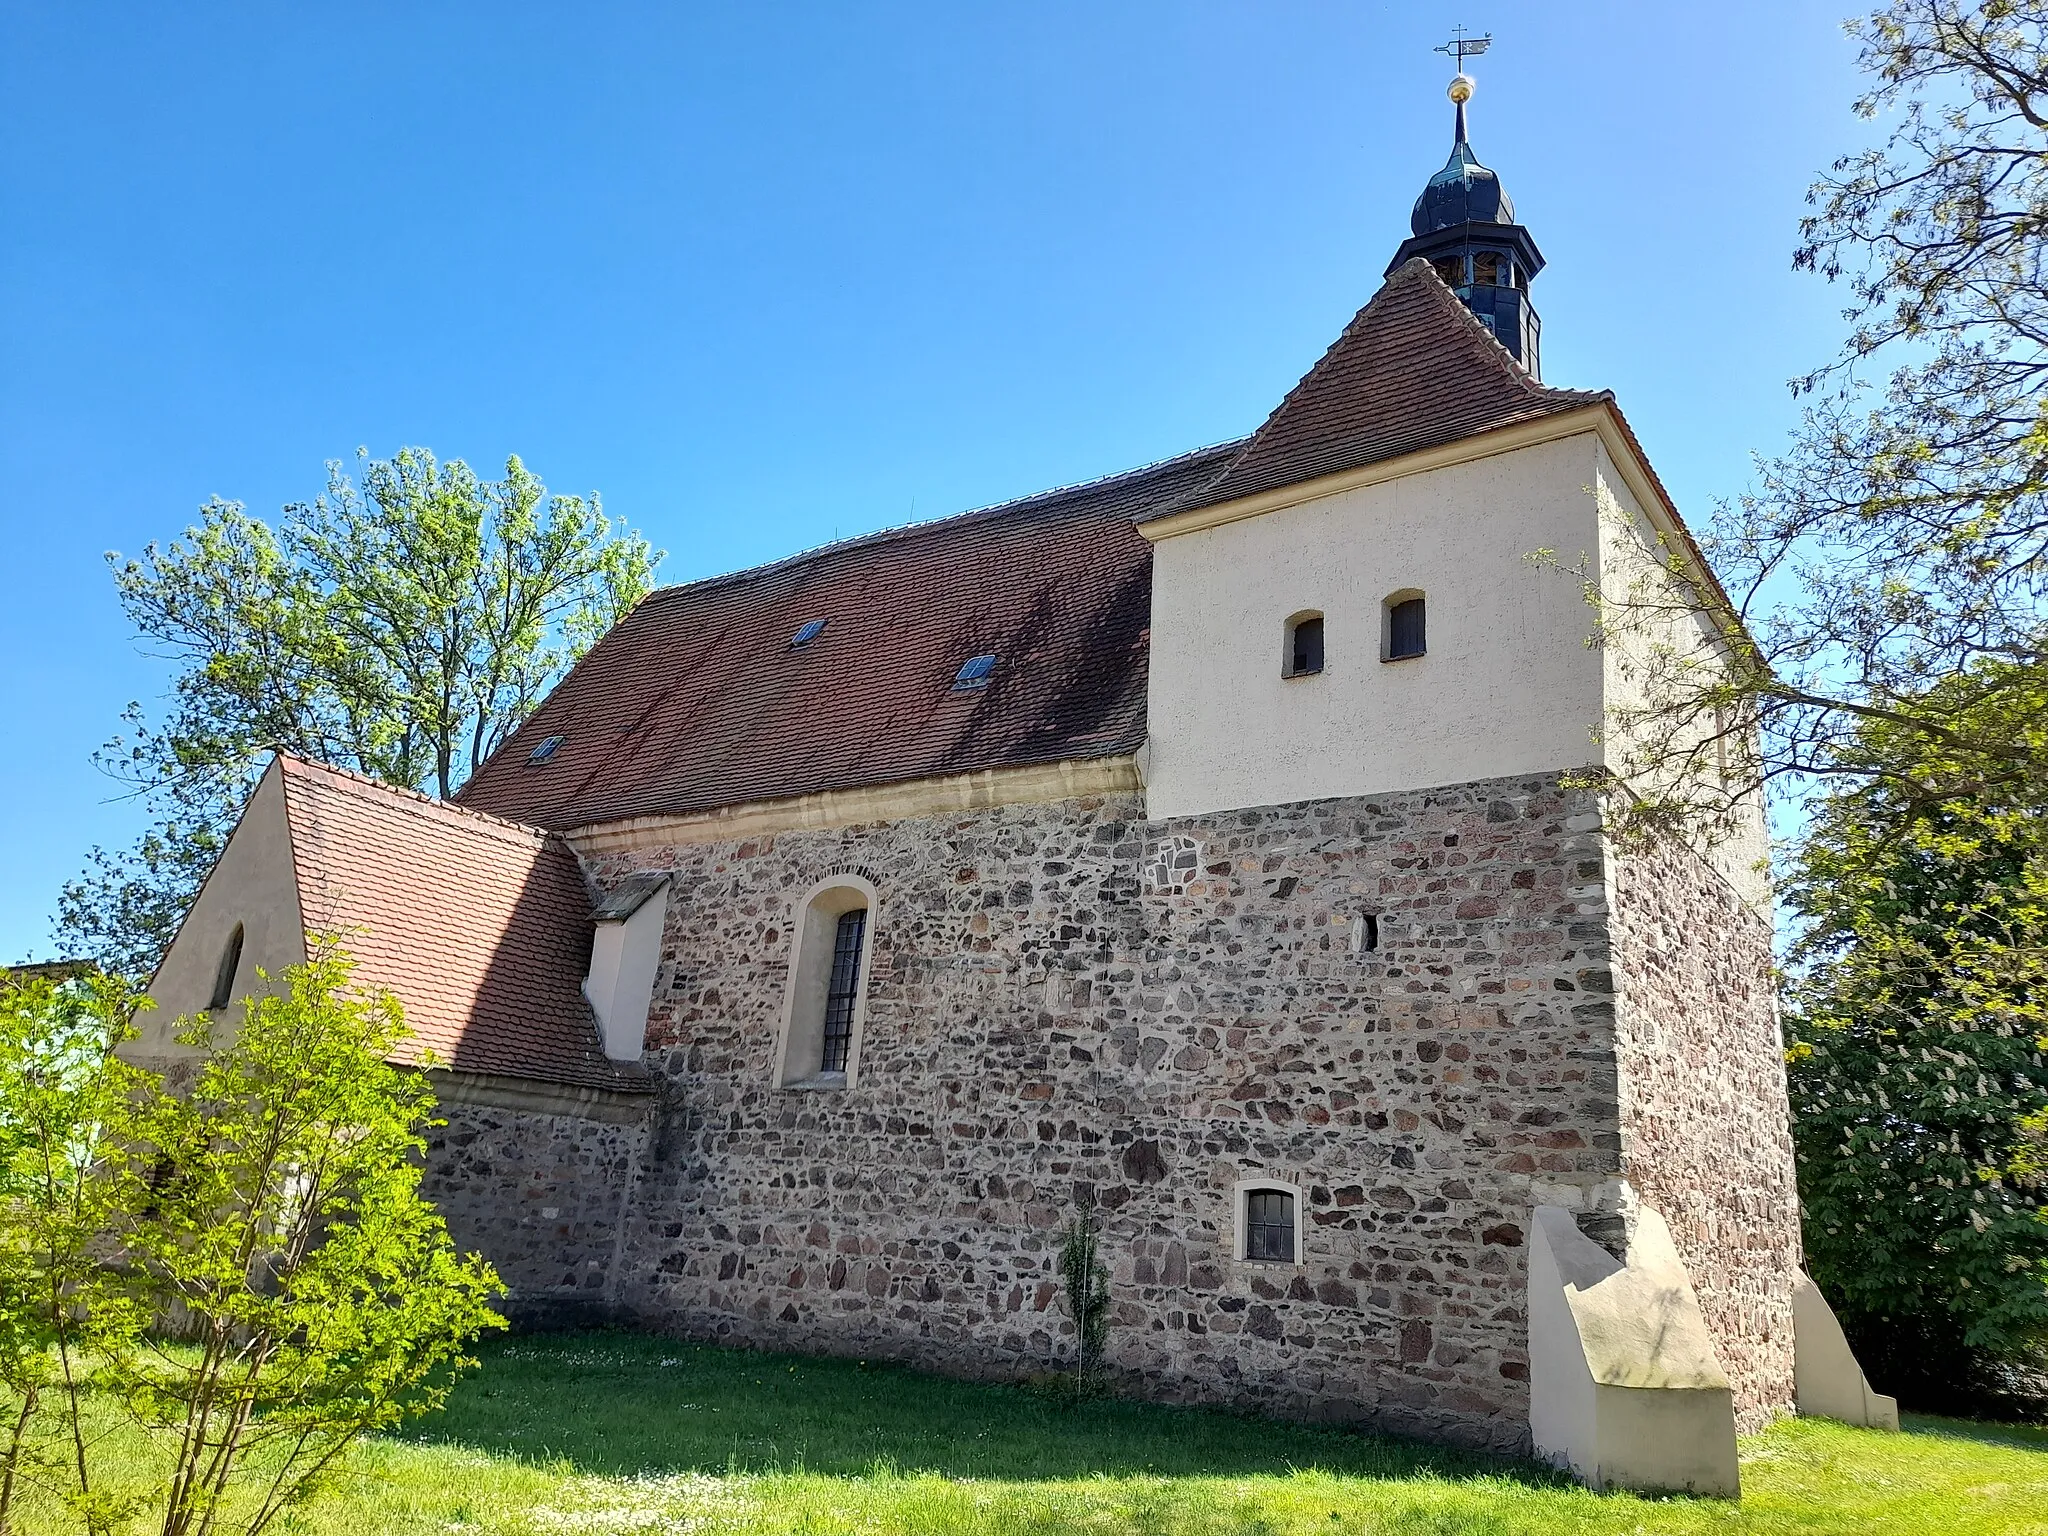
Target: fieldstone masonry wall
[
  {"x": 1706, "y": 1139},
  {"x": 1069, "y": 1005},
  {"x": 539, "y": 1194}
]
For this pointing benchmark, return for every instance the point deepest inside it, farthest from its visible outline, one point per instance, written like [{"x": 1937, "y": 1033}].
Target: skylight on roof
[
  {"x": 974, "y": 673},
  {"x": 546, "y": 750},
  {"x": 804, "y": 636}
]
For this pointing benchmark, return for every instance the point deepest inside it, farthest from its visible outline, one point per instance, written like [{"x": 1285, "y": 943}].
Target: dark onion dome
[{"x": 1464, "y": 191}]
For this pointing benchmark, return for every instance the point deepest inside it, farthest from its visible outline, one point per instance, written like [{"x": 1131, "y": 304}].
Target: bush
[{"x": 247, "y": 1267}]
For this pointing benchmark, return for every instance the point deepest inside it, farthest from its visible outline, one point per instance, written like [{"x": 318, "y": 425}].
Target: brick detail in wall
[
  {"x": 1706, "y": 1136},
  {"x": 1070, "y": 1004}
]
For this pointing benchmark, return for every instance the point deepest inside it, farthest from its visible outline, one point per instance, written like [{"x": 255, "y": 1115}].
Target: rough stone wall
[
  {"x": 539, "y": 1194},
  {"x": 1706, "y": 1135},
  {"x": 1068, "y": 1004}
]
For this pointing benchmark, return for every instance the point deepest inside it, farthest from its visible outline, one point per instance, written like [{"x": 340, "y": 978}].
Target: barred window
[
  {"x": 1269, "y": 1225},
  {"x": 844, "y": 989},
  {"x": 830, "y": 933}
]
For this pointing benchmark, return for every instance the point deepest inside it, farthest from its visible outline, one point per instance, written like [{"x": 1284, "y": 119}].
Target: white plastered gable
[{"x": 254, "y": 886}]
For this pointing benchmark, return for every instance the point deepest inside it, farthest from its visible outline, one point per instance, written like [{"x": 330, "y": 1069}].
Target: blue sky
[{"x": 767, "y": 275}]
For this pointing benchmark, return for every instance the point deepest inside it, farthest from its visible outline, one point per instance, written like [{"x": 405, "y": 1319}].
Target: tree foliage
[
  {"x": 401, "y": 624},
  {"x": 1918, "y": 1022},
  {"x": 244, "y": 1267},
  {"x": 1902, "y": 542},
  {"x": 290, "y": 1241},
  {"x": 66, "y": 1177}
]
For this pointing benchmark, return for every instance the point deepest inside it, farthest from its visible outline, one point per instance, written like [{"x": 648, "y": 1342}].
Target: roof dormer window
[{"x": 974, "y": 674}]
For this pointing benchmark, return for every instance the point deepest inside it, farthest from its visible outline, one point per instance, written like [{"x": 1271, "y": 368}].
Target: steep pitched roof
[
  {"x": 479, "y": 926},
  {"x": 697, "y": 699},
  {"x": 1414, "y": 369}
]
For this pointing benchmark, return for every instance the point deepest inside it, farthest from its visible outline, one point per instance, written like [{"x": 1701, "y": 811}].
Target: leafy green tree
[
  {"x": 1918, "y": 1020},
  {"x": 319, "y": 1296},
  {"x": 246, "y": 1267},
  {"x": 401, "y": 624},
  {"x": 66, "y": 1174},
  {"x": 1892, "y": 566}
]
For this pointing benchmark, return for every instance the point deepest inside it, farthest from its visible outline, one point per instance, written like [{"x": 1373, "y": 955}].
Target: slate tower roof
[{"x": 1464, "y": 226}]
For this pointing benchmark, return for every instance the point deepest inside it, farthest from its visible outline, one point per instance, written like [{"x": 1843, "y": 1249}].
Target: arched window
[
  {"x": 1403, "y": 627},
  {"x": 1303, "y": 655},
  {"x": 1268, "y": 1222},
  {"x": 224, "y": 978},
  {"x": 831, "y": 939}
]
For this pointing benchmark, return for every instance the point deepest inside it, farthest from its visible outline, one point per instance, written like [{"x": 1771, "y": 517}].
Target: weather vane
[{"x": 1461, "y": 47}]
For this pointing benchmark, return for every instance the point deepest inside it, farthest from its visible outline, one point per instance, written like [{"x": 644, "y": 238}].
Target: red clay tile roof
[
  {"x": 479, "y": 926},
  {"x": 696, "y": 700},
  {"x": 1414, "y": 369}
]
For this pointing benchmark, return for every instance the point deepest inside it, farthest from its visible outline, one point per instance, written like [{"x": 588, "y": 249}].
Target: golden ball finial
[{"x": 1461, "y": 89}]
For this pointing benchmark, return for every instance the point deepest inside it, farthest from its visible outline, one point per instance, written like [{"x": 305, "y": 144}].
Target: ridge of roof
[
  {"x": 1288, "y": 449},
  {"x": 418, "y": 801},
  {"x": 896, "y": 531}
]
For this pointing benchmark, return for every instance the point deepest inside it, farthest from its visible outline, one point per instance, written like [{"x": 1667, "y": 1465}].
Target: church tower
[{"x": 1464, "y": 226}]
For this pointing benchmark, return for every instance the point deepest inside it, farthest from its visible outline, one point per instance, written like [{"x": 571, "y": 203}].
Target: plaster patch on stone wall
[{"x": 1174, "y": 862}]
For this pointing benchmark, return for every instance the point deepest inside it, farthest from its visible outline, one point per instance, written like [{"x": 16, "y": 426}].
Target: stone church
[{"x": 1191, "y": 846}]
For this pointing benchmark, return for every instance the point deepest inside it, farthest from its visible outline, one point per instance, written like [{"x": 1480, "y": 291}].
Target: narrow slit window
[
  {"x": 1269, "y": 1225},
  {"x": 1304, "y": 645},
  {"x": 843, "y": 990},
  {"x": 224, "y": 978},
  {"x": 1406, "y": 631}
]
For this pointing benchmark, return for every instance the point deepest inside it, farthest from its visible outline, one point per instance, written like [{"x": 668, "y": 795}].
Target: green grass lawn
[{"x": 631, "y": 1436}]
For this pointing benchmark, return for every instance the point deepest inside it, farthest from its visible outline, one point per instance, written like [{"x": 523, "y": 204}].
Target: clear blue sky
[{"x": 763, "y": 275}]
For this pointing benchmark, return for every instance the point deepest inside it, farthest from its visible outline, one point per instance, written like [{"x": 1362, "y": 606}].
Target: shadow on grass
[
  {"x": 2026, "y": 1437},
  {"x": 622, "y": 1404}
]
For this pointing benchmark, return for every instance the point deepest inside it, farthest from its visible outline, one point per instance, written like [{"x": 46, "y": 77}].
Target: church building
[{"x": 1197, "y": 847}]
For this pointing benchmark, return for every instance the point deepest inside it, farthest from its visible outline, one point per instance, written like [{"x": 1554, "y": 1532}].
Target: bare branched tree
[{"x": 1892, "y": 566}]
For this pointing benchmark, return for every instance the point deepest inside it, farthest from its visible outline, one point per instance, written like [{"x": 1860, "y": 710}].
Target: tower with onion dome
[{"x": 1464, "y": 225}]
